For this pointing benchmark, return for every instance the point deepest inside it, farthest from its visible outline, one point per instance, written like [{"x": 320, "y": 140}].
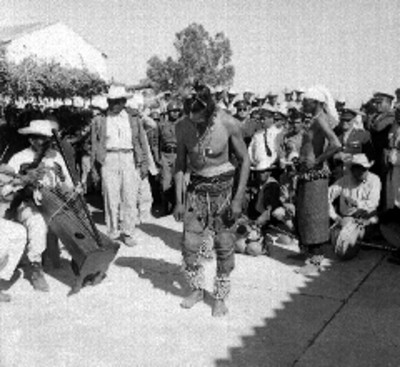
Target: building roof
[{"x": 10, "y": 33}]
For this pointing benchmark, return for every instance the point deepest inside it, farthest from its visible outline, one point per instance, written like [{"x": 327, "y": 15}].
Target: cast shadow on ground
[
  {"x": 169, "y": 236},
  {"x": 63, "y": 274},
  {"x": 283, "y": 339},
  {"x": 162, "y": 274}
]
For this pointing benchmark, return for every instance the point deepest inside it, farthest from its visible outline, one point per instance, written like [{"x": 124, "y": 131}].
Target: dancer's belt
[
  {"x": 314, "y": 174},
  {"x": 213, "y": 185},
  {"x": 169, "y": 149},
  {"x": 119, "y": 150}
]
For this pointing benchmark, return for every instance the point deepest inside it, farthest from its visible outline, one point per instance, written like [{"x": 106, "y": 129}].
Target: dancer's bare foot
[
  {"x": 219, "y": 308},
  {"x": 195, "y": 297}
]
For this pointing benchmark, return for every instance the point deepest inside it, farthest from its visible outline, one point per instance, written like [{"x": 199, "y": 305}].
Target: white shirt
[
  {"x": 52, "y": 160},
  {"x": 258, "y": 149},
  {"x": 353, "y": 196},
  {"x": 119, "y": 133}
]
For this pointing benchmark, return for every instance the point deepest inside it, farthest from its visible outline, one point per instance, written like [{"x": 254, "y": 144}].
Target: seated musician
[
  {"x": 12, "y": 244},
  {"x": 39, "y": 165},
  {"x": 358, "y": 194}
]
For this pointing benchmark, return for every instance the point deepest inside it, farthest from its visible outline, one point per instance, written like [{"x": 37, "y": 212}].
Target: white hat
[
  {"x": 361, "y": 160},
  {"x": 282, "y": 110},
  {"x": 117, "y": 92},
  {"x": 99, "y": 102},
  {"x": 272, "y": 94},
  {"x": 287, "y": 91},
  {"x": 386, "y": 94},
  {"x": 269, "y": 108},
  {"x": 263, "y": 165},
  {"x": 38, "y": 127},
  {"x": 299, "y": 90}
]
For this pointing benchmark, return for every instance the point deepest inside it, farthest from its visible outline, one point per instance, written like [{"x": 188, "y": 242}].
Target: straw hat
[
  {"x": 361, "y": 160},
  {"x": 38, "y": 127},
  {"x": 118, "y": 92}
]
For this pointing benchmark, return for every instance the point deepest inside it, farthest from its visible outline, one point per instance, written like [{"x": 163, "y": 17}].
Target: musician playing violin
[{"x": 38, "y": 166}]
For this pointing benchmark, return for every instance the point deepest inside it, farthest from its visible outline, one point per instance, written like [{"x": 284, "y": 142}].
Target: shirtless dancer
[
  {"x": 203, "y": 138},
  {"x": 312, "y": 195}
]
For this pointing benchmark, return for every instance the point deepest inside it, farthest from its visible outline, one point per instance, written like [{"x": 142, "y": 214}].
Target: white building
[{"x": 52, "y": 42}]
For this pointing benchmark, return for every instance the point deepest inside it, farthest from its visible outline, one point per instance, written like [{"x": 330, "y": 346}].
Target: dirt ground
[{"x": 344, "y": 316}]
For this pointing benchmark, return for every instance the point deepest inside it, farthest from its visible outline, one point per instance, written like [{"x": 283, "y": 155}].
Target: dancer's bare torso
[
  {"x": 207, "y": 152},
  {"x": 314, "y": 139}
]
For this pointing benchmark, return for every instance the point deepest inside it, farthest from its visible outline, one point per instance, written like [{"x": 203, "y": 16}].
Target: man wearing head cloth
[
  {"x": 319, "y": 144},
  {"x": 204, "y": 136}
]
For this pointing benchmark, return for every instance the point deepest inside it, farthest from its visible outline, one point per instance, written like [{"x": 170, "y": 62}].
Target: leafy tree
[
  {"x": 35, "y": 78},
  {"x": 199, "y": 56},
  {"x": 4, "y": 71}
]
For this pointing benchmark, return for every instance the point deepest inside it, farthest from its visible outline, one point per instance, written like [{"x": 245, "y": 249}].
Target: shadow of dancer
[
  {"x": 170, "y": 237},
  {"x": 162, "y": 274}
]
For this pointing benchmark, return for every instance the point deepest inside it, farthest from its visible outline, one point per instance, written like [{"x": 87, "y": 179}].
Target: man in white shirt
[
  {"x": 120, "y": 147},
  {"x": 358, "y": 193},
  {"x": 39, "y": 165},
  {"x": 264, "y": 146}
]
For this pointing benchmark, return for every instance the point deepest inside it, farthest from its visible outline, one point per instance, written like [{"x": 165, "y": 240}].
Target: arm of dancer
[
  {"x": 180, "y": 169},
  {"x": 333, "y": 142},
  {"x": 335, "y": 191},
  {"x": 241, "y": 153}
]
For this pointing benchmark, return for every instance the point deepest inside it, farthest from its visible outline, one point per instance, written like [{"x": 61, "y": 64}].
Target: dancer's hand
[
  {"x": 179, "y": 212},
  {"x": 236, "y": 207}
]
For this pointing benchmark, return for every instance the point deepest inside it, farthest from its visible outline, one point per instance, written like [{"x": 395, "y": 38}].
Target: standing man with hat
[
  {"x": 264, "y": 145},
  {"x": 288, "y": 101},
  {"x": 167, "y": 145},
  {"x": 242, "y": 111},
  {"x": 380, "y": 128},
  {"x": 119, "y": 145},
  {"x": 39, "y": 165},
  {"x": 231, "y": 100},
  {"x": 353, "y": 140},
  {"x": 272, "y": 100},
  {"x": 298, "y": 102}
]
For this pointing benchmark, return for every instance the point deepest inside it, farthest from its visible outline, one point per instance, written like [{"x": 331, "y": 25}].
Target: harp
[{"x": 69, "y": 218}]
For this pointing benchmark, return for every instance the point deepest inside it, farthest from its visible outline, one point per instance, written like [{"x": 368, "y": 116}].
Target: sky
[{"x": 350, "y": 46}]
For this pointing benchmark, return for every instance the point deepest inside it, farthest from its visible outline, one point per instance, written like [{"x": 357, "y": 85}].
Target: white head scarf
[{"x": 321, "y": 94}]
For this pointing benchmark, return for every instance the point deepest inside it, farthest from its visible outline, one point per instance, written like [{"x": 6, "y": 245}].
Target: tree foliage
[
  {"x": 35, "y": 78},
  {"x": 199, "y": 56},
  {"x": 4, "y": 70}
]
